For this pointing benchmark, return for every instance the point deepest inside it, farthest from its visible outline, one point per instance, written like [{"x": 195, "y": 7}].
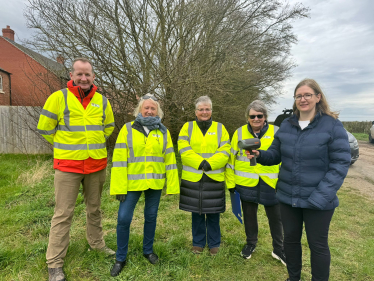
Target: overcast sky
[{"x": 336, "y": 48}]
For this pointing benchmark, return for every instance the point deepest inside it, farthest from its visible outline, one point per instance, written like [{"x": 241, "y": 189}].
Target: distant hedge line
[{"x": 357, "y": 127}]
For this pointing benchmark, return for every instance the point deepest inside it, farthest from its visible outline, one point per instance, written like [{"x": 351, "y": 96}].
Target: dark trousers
[
  {"x": 205, "y": 228},
  {"x": 317, "y": 224},
  {"x": 251, "y": 224},
  {"x": 125, "y": 214}
]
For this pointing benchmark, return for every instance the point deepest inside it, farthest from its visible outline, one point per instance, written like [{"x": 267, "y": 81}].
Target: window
[{"x": 1, "y": 84}]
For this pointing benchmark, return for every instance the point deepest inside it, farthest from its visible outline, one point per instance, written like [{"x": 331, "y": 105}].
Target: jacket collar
[
  {"x": 79, "y": 93},
  {"x": 262, "y": 132}
]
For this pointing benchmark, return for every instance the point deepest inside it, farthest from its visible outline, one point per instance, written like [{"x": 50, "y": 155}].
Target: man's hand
[{"x": 121, "y": 197}]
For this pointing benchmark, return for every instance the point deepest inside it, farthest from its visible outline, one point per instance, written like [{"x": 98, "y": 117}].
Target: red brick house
[
  {"x": 5, "y": 94},
  {"x": 34, "y": 76}
]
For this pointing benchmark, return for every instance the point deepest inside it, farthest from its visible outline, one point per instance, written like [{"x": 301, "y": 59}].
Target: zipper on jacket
[{"x": 201, "y": 195}]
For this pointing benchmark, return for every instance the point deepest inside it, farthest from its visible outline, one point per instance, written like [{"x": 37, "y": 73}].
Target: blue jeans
[
  {"x": 205, "y": 227},
  {"x": 125, "y": 214}
]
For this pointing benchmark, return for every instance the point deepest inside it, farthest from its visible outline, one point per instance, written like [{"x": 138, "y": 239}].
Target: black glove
[
  {"x": 206, "y": 166},
  {"x": 201, "y": 165},
  {"x": 121, "y": 197},
  {"x": 232, "y": 190}
]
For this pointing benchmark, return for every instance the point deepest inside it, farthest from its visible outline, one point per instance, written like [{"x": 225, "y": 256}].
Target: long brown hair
[{"x": 322, "y": 106}]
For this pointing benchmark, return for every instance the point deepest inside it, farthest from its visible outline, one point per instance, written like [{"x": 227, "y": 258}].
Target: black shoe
[
  {"x": 279, "y": 255},
  {"x": 247, "y": 251},
  {"x": 117, "y": 268},
  {"x": 152, "y": 257}
]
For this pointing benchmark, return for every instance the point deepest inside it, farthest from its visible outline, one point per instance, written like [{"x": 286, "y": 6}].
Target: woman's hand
[{"x": 250, "y": 156}]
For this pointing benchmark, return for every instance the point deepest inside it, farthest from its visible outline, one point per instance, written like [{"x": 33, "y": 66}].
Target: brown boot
[
  {"x": 56, "y": 274},
  {"x": 197, "y": 250},
  {"x": 214, "y": 251}
]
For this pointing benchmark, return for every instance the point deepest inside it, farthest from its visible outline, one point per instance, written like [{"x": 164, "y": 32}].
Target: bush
[{"x": 357, "y": 127}]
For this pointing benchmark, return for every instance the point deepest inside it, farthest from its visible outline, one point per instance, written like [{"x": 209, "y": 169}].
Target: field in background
[
  {"x": 357, "y": 126},
  {"x": 27, "y": 202}
]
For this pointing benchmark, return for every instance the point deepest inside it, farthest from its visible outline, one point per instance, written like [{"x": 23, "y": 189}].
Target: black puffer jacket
[{"x": 206, "y": 196}]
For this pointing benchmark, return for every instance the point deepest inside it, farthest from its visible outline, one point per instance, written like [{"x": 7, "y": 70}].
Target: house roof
[
  {"x": 53, "y": 66},
  {"x": 4, "y": 71}
]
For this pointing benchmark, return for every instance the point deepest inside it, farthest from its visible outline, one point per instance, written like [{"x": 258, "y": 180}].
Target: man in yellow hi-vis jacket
[
  {"x": 76, "y": 121},
  {"x": 143, "y": 160},
  {"x": 204, "y": 147},
  {"x": 256, "y": 184}
]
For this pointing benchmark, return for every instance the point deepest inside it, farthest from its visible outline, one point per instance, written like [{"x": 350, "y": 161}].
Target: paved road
[{"x": 361, "y": 174}]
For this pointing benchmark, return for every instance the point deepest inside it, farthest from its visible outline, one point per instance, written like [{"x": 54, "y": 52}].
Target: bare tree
[{"x": 232, "y": 50}]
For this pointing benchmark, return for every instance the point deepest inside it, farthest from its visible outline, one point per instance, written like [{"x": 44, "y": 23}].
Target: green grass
[
  {"x": 361, "y": 136},
  {"x": 27, "y": 207}
]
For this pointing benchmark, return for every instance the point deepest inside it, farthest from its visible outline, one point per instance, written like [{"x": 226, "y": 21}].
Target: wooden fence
[{"x": 18, "y": 132}]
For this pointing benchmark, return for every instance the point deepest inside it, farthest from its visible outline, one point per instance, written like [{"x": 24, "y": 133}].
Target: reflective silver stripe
[
  {"x": 154, "y": 159},
  {"x": 70, "y": 146},
  {"x": 247, "y": 175},
  {"x": 206, "y": 155},
  {"x": 270, "y": 175},
  {"x": 97, "y": 145},
  {"x": 129, "y": 139},
  {"x": 229, "y": 166},
  {"x": 242, "y": 158},
  {"x": 233, "y": 151},
  {"x": 50, "y": 132},
  {"x": 71, "y": 128},
  {"x": 109, "y": 125},
  {"x": 146, "y": 176},
  {"x": 120, "y": 164},
  {"x": 224, "y": 152},
  {"x": 171, "y": 167},
  {"x": 223, "y": 143},
  {"x": 66, "y": 110},
  {"x": 216, "y": 171},
  {"x": 190, "y": 128},
  {"x": 184, "y": 138},
  {"x": 219, "y": 133},
  {"x": 192, "y": 170},
  {"x": 169, "y": 150},
  {"x": 94, "y": 128},
  {"x": 120, "y": 145},
  {"x": 165, "y": 136},
  {"x": 105, "y": 104},
  {"x": 185, "y": 149},
  {"x": 49, "y": 114},
  {"x": 136, "y": 159},
  {"x": 276, "y": 128}
]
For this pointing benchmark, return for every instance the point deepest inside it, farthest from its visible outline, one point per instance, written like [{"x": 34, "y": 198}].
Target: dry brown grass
[{"x": 36, "y": 174}]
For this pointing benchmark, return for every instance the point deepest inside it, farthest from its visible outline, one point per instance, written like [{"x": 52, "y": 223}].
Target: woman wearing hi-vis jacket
[
  {"x": 204, "y": 147},
  {"x": 143, "y": 159}
]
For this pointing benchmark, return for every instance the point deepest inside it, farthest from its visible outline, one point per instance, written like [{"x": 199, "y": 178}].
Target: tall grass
[
  {"x": 357, "y": 126},
  {"x": 27, "y": 208}
]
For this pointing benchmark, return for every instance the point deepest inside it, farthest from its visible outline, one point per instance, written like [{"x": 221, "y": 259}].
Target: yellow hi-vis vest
[
  {"x": 76, "y": 133},
  {"x": 141, "y": 163},
  {"x": 238, "y": 169},
  {"x": 194, "y": 147}
]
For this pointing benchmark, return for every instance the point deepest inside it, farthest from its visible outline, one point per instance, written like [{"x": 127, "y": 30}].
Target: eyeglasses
[
  {"x": 306, "y": 96},
  {"x": 204, "y": 109},
  {"x": 259, "y": 116},
  {"x": 145, "y": 97}
]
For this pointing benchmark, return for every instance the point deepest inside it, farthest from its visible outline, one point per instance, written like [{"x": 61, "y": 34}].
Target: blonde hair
[
  {"x": 322, "y": 106},
  {"x": 138, "y": 108}
]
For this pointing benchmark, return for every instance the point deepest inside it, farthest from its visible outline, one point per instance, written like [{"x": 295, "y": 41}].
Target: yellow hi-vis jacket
[
  {"x": 194, "y": 147},
  {"x": 76, "y": 133},
  {"x": 238, "y": 169},
  {"x": 141, "y": 163}
]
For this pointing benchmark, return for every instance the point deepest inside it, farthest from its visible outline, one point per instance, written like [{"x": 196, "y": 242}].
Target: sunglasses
[
  {"x": 145, "y": 97},
  {"x": 259, "y": 116}
]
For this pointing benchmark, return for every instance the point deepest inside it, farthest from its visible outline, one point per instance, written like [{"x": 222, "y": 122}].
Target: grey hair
[
  {"x": 203, "y": 99},
  {"x": 82, "y": 60},
  {"x": 258, "y": 106},
  {"x": 160, "y": 113}
]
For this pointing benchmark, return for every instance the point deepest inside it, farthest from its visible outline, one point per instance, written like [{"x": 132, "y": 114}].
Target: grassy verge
[
  {"x": 27, "y": 201},
  {"x": 361, "y": 136}
]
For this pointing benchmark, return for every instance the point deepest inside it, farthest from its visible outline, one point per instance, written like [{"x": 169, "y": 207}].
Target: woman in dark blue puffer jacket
[{"x": 314, "y": 150}]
